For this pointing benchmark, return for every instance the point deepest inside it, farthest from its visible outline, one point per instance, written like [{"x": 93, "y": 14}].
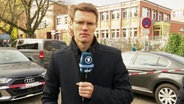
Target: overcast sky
[{"x": 167, "y": 3}]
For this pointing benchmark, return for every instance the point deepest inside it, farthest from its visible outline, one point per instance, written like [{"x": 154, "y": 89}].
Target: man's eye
[
  {"x": 90, "y": 24},
  {"x": 80, "y": 23}
]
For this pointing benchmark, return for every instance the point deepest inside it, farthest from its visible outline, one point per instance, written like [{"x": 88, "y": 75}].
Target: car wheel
[{"x": 166, "y": 94}]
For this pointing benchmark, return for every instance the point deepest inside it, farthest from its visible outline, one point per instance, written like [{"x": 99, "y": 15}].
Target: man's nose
[{"x": 85, "y": 26}]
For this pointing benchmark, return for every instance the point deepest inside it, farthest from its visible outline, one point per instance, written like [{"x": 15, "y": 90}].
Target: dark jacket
[
  {"x": 180, "y": 99},
  {"x": 109, "y": 76}
]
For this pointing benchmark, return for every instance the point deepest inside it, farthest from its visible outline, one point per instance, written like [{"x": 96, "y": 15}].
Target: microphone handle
[{"x": 84, "y": 79}]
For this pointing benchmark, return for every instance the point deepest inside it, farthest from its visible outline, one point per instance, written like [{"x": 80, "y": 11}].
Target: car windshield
[{"x": 12, "y": 56}]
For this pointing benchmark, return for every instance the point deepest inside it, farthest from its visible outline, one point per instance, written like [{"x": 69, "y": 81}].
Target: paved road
[{"x": 139, "y": 99}]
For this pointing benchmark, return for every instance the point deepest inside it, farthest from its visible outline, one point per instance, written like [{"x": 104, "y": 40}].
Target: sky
[{"x": 167, "y": 3}]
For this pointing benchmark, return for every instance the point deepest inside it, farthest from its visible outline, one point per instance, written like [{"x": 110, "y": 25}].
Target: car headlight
[
  {"x": 44, "y": 73},
  {"x": 4, "y": 80}
]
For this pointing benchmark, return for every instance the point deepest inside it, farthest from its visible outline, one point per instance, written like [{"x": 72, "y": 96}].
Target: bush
[{"x": 175, "y": 44}]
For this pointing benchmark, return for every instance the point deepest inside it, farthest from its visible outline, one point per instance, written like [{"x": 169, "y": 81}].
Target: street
[{"x": 139, "y": 99}]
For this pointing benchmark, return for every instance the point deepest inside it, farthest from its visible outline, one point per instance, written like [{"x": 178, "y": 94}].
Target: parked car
[
  {"x": 19, "y": 77},
  {"x": 156, "y": 74},
  {"x": 39, "y": 50}
]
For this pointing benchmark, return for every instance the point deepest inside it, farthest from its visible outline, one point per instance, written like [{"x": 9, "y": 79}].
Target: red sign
[{"x": 146, "y": 22}]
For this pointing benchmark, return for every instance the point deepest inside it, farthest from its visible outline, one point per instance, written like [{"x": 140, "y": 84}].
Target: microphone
[{"x": 86, "y": 64}]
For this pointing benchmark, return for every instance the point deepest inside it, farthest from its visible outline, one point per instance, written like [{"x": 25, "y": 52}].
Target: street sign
[
  {"x": 146, "y": 22},
  {"x": 145, "y": 31}
]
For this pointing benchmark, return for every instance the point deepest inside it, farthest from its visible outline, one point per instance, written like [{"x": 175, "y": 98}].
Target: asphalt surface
[{"x": 139, "y": 99}]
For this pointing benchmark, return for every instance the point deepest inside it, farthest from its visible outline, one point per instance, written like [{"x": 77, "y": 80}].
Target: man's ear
[
  {"x": 70, "y": 23},
  {"x": 70, "y": 27}
]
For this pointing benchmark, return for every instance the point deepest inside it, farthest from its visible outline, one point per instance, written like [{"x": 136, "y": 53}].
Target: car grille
[{"x": 17, "y": 92}]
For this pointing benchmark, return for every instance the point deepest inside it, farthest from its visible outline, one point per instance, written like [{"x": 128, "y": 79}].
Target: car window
[
  {"x": 162, "y": 62},
  {"x": 146, "y": 59},
  {"x": 28, "y": 46},
  {"x": 14, "y": 44},
  {"x": 175, "y": 57},
  {"x": 53, "y": 45},
  {"x": 128, "y": 57}
]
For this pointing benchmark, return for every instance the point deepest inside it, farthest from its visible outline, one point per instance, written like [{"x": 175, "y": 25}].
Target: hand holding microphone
[{"x": 86, "y": 65}]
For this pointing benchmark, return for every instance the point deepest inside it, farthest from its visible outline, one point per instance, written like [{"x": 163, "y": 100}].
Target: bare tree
[
  {"x": 8, "y": 14},
  {"x": 25, "y": 15}
]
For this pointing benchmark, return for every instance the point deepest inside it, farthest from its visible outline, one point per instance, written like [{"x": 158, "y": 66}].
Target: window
[
  {"x": 12, "y": 57},
  {"x": 134, "y": 12},
  {"x": 105, "y": 34},
  {"x": 58, "y": 21},
  {"x": 131, "y": 33},
  {"x": 124, "y": 32},
  {"x": 14, "y": 44},
  {"x": 115, "y": 33},
  {"x": 97, "y": 34},
  {"x": 162, "y": 62},
  {"x": 28, "y": 46},
  {"x": 66, "y": 20},
  {"x": 53, "y": 45},
  {"x": 146, "y": 59},
  {"x": 177, "y": 14},
  {"x": 105, "y": 16},
  {"x": 134, "y": 31},
  {"x": 115, "y": 14},
  {"x": 166, "y": 17},
  {"x": 160, "y": 16},
  {"x": 125, "y": 13},
  {"x": 128, "y": 57},
  {"x": 154, "y": 15},
  {"x": 145, "y": 12}
]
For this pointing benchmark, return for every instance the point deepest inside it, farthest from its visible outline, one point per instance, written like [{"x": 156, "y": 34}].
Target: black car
[
  {"x": 19, "y": 77},
  {"x": 156, "y": 74}
]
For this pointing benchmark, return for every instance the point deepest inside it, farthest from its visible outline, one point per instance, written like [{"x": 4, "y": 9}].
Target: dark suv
[{"x": 38, "y": 50}]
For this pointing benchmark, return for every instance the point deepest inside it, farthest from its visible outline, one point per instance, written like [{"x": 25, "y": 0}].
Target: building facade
[
  {"x": 48, "y": 27},
  {"x": 124, "y": 20}
]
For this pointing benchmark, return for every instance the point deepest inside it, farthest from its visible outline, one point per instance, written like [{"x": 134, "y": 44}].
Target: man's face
[{"x": 84, "y": 25}]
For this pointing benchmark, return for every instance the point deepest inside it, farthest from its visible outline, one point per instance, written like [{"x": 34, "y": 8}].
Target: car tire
[{"x": 166, "y": 94}]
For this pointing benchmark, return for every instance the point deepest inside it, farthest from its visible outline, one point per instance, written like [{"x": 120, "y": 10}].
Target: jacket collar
[{"x": 91, "y": 49}]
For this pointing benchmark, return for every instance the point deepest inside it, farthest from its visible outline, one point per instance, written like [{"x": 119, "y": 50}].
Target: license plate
[{"x": 30, "y": 85}]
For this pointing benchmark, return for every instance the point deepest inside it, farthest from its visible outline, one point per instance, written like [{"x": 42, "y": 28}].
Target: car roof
[{"x": 163, "y": 54}]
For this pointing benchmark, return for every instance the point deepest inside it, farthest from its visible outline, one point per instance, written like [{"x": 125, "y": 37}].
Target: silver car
[
  {"x": 39, "y": 50},
  {"x": 19, "y": 77},
  {"x": 156, "y": 74}
]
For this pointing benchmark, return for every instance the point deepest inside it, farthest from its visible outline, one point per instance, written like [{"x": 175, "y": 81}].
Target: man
[
  {"x": 4, "y": 43},
  {"x": 107, "y": 83}
]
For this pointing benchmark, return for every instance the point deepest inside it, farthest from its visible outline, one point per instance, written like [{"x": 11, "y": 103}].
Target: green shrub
[{"x": 175, "y": 44}]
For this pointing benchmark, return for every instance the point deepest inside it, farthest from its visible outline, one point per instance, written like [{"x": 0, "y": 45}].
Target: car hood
[{"x": 20, "y": 70}]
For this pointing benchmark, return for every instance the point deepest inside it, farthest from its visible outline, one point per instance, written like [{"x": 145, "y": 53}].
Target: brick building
[
  {"x": 47, "y": 29},
  {"x": 124, "y": 21}
]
